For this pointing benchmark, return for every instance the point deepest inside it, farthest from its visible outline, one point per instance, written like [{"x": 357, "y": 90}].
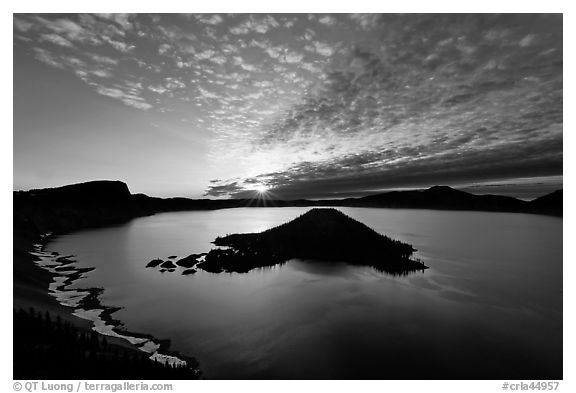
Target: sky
[{"x": 300, "y": 105}]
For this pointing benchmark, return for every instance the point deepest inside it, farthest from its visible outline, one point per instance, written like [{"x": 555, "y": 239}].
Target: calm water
[{"x": 490, "y": 306}]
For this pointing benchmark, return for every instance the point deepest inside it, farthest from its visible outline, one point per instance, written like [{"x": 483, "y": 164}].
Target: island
[{"x": 319, "y": 234}]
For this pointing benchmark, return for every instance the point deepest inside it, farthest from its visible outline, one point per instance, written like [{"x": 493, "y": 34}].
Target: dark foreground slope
[
  {"x": 323, "y": 234},
  {"x": 48, "y": 347}
]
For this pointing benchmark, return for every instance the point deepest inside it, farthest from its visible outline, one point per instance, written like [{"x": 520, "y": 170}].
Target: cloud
[
  {"x": 101, "y": 73},
  {"x": 310, "y": 67},
  {"x": 163, "y": 48},
  {"x": 206, "y": 54},
  {"x": 225, "y": 190},
  {"x": 213, "y": 19},
  {"x": 309, "y": 34},
  {"x": 127, "y": 98},
  {"x": 56, "y": 39},
  {"x": 312, "y": 101},
  {"x": 366, "y": 21},
  {"x": 134, "y": 86},
  {"x": 71, "y": 30},
  {"x": 80, "y": 68},
  {"x": 158, "y": 89},
  {"x": 22, "y": 25},
  {"x": 207, "y": 94},
  {"x": 219, "y": 59},
  {"x": 327, "y": 20},
  {"x": 175, "y": 33},
  {"x": 293, "y": 57},
  {"x": 275, "y": 51},
  {"x": 527, "y": 40},
  {"x": 342, "y": 178},
  {"x": 174, "y": 83},
  {"x": 239, "y": 61},
  {"x": 46, "y": 57},
  {"x": 253, "y": 24},
  {"x": 429, "y": 111},
  {"x": 323, "y": 49},
  {"x": 103, "y": 59},
  {"x": 120, "y": 19},
  {"x": 73, "y": 61},
  {"x": 119, "y": 45}
]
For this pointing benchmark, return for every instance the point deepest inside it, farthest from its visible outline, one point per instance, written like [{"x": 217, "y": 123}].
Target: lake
[{"x": 489, "y": 306}]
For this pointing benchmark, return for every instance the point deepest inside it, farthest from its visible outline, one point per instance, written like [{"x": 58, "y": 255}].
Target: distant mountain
[
  {"x": 319, "y": 234},
  {"x": 104, "y": 202},
  {"x": 442, "y": 197},
  {"x": 447, "y": 198}
]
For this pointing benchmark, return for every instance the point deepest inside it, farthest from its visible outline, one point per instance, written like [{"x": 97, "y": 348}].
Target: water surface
[{"x": 489, "y": 307}]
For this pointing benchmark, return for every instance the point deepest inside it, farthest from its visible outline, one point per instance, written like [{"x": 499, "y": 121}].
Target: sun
[{"x": 261, "y": 188}]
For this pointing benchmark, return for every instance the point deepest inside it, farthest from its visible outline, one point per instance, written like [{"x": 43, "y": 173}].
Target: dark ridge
[
  {"x": 447, "y": 198},
  {"x": 321, "y": 234},
  {"x": 444, "y": 198},
  {"x": 50, "y": 348},
  {"x": 95, "y": 192},
  {"x": 548, "y": 204}
]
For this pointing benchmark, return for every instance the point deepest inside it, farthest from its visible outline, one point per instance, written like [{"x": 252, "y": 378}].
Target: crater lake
[{"x": 488, "y": 307}]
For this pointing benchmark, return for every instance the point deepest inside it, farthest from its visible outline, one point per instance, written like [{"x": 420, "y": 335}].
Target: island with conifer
[{"x": 319, "y": 234}]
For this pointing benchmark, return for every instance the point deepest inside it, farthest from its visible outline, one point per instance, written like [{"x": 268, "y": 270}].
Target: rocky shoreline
[{"x": 87, "y": 305}]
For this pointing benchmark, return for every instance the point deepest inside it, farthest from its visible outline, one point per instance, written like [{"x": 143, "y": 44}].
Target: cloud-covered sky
[{"x": 307, "y": 106}]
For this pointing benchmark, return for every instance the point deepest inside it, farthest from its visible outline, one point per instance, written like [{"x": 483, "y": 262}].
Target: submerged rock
[
  {"x": 154, "y": 263},
  {"x": 188, "y": 271},
  {"x": 173, "y": 256},
  {"x": 322, "y": 234}
]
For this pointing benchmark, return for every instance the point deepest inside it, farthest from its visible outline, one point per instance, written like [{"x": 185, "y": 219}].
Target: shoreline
[{"x": 87, "y": 306}]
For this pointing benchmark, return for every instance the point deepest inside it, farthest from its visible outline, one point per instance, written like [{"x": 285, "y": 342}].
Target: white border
[{"x": 297, "y": 6}]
